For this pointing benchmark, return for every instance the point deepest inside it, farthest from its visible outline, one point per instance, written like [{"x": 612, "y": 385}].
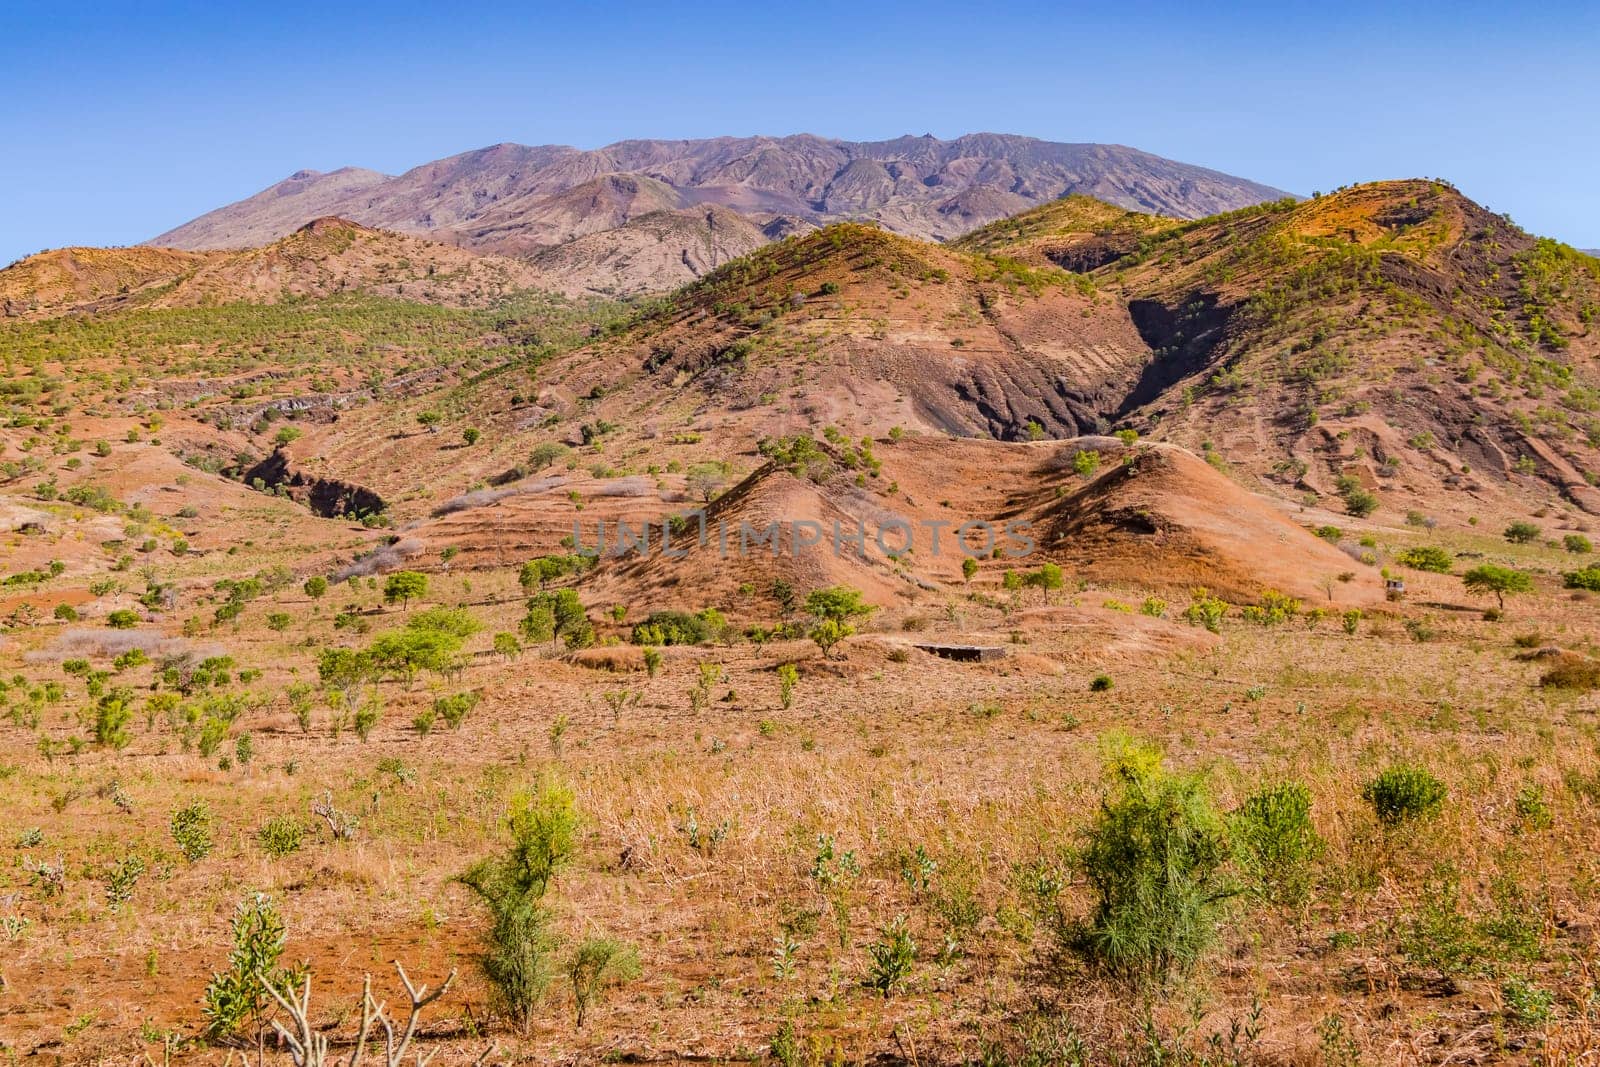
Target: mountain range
[{"x": 519, "y": 199}]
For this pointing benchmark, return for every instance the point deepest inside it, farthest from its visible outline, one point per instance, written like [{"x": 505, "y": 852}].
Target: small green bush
[
  {"x": 280, "y": 835},
  {"x": 191, "y": 830},
  {"x": 1153, "y": 858},
  {"x": 1521, "y": 533},
  {"x": 1429, "y": 558},
  {"x": 1276, "y": 843},
  {"x": 239, "y": 993},
  {"x": 1586, "y": 578},
  {"x": 892, "y": 955},
  {"x": 1404, "y": 793}
]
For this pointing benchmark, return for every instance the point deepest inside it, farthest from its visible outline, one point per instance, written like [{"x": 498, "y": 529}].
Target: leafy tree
[
  {"x": 316, "y": 587},
  {"x": 568, "y": 619},
  {"x": 1492, "y": 579},
  {"x": 1047, "y": 579},
  {"x": 833, "y": 609},
  {"x": 546, "y": 453},
  {"x": 429, "y": 420},
  {"x": 543, "y": 570},
  {"x": 404, "y": 586},
  {"x": 539, "y": 624},
  {"x": 457, "y": 622},
  {"x": 783, "y": 593},
  {"x": 342, "y": 672},
  {"x": 471, "y": 435},
  {"x": 403, "y": 653},
  {"x": 704, "y": 480},
  {"x": 969, "y": 569}
]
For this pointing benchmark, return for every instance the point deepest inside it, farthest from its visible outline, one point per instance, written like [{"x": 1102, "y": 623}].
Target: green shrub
[
  {"x": 280, "y": 835},
  {"x": 239, "y": 993},
  {"x": 113, "y": 712},
  {"x": 1403, "y": 793},
  {"x": 1586, "y": 578},
  {"x": 1521, "y": 533},
  {"x": 1532, "y": 809},
  {"x": 1153, "y": 858},
  {"x": 672, "y": 628},
  {"x": 1205, "y": 610},
  {"x": 1276, "y": 843},
  {"x": 788, "y": 677},
  {"x": 1102, "y": 683},
  {"x": 517, "y": 957},
  {"x": 1429, "y": 558},
  {"x": 1275, "y": 609},
  {"x": 1577, "y": 544},
  {"x": 123, "y": 619},
  {"x": 892, "y": 955},
  {"x": 454, "y": 709},
  {"x": 1526, "y": 1003},
  {"x": 1359, "y": 502},
  {"x": 595, "y": 965},
  {"x": 191, "y": 830},
  {"x": 1331, "y": 534}
]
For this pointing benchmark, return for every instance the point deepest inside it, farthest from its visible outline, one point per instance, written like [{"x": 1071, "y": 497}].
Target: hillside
[
  {"x": 511, "y": 197},
  {"x": 66, "y": 278},
  {"x": 1394, "y": 336},
  {"x": 649, "y": 252},
  {"x": 326, "y": 256},
  {"x": 1077, "y": 233},
  {"x": 1395, "y": 332}
]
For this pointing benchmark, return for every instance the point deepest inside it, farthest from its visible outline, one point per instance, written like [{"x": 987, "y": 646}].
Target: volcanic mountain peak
[{"x": 916, "y": 185}]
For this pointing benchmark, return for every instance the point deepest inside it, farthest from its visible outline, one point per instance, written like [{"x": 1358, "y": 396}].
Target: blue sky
[{"x": 122, "y": 120}]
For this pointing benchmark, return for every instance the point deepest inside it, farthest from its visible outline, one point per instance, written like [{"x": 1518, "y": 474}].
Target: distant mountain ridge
[{"x": 516, "y": 199}]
